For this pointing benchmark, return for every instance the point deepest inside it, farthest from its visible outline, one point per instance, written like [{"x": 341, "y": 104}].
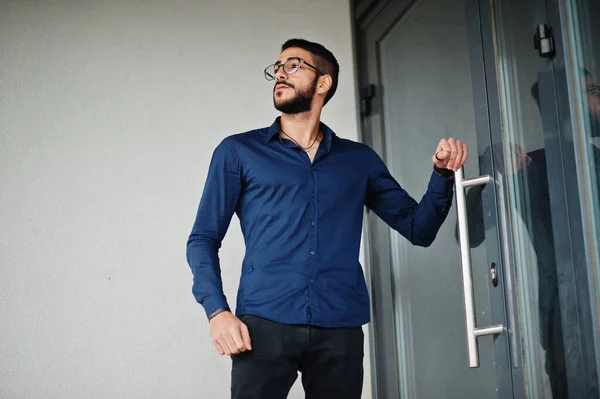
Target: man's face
[
  {"x": 294, "y": 93},
  {"x": 593, "y": 97}
]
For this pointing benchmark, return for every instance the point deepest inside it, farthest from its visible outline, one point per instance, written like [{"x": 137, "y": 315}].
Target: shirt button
[
  {"x": 312, "y": 252},
  {"x": 312, "y": 280},
  {"x": 313, "y": 223}
]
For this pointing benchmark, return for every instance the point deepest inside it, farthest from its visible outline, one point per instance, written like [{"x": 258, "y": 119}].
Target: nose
[{"x": 280, "y": 75}]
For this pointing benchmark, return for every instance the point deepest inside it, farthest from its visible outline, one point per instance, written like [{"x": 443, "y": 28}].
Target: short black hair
[{"x": 324, "y": 60}]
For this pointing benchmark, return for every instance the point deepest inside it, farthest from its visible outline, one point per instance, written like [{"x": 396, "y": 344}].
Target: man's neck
[{"x": 303, "y": 127}]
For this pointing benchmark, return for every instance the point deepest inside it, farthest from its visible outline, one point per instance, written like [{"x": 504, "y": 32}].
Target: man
[{"x": 299, "y": 191}]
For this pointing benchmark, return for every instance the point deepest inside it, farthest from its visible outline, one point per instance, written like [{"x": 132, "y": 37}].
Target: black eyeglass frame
[
  {"x": 278, "y": 65},
  {"x": 593, "y": 90}
]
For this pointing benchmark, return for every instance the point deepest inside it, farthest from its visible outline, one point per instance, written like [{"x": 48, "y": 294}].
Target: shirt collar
[
  {"x": 272, "y": 130},
  {"x": 328, "y": 134}
]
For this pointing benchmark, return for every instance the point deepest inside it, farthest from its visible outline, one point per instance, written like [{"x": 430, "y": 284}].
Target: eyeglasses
[
  {"x": 593, "y": 90},
  {"x": 291, "y": 66}
]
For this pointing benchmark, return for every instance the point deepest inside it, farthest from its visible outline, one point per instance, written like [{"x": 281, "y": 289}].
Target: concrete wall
[{"x": 109, "y": 113}]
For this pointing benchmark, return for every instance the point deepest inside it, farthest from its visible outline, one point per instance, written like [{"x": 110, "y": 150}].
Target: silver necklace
[{"x": 306, "y": 149}]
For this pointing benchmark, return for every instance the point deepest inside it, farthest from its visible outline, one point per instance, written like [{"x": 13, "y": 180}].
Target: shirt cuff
[
  {"x": 217, "y": 312},
  {"x": 441, "y": 185},
  {"x": 213, "y": 303}
]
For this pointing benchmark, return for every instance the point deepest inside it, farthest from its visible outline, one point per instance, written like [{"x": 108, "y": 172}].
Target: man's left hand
[{"x": 450, "y": 154}]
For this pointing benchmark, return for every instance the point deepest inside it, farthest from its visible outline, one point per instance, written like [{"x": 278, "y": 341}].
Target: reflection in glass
[
  {"x": 582, "y": 18},
  {"x": 528, "y": 156},
  {"x": 523, "y": 159},
  {"x": 585, "y": 48}
]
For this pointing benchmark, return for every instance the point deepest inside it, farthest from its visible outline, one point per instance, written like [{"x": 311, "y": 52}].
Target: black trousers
[{"x": 330, "y": 360}]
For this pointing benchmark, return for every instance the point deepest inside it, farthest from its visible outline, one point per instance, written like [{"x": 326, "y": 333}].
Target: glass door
[
  {"x": 518, "y": 81},
  {"x": 541, "y": 163},
  {"x": 582, "y": 60},
  {"x": 524, "y": 85},
  {"x": 425, "y": 79}
]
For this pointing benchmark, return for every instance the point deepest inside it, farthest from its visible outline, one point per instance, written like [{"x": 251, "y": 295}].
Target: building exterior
[{"x": 110, "y": 111}]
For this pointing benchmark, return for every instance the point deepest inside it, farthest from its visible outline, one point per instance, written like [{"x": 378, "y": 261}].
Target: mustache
[{"x": 283, "y": 84}]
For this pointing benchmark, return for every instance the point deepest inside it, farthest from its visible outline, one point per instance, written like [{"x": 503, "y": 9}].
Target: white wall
[{"x": 109, "y": 113}]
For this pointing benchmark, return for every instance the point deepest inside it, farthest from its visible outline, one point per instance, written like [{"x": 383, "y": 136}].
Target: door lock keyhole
[{"x": 494, "y": 274}]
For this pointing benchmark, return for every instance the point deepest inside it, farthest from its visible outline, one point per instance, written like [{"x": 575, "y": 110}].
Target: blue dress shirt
[{"x": 302, "y": 225}]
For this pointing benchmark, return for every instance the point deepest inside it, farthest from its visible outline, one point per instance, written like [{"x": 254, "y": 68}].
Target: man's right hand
[{"x": 229, "y": 335}]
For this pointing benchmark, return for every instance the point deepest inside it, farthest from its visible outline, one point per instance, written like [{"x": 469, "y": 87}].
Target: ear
[{"x": 324, "y": 84}]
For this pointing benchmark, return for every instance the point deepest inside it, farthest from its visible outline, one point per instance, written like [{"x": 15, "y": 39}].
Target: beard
[
  {"x": 594, "y": 124},
  {"x": 301, "y": 102}
]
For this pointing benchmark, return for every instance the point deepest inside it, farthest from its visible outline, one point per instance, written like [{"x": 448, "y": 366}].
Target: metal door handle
[{"x": 465, "y": 259}]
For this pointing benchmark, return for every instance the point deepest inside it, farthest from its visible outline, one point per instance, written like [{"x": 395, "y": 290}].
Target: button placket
[{"x": 312, "y": 239}]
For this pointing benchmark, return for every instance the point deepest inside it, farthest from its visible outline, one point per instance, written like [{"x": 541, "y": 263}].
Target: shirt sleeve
[
  {"x": 418, "y": 222},
  {"x": 217, "y": 206}
]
